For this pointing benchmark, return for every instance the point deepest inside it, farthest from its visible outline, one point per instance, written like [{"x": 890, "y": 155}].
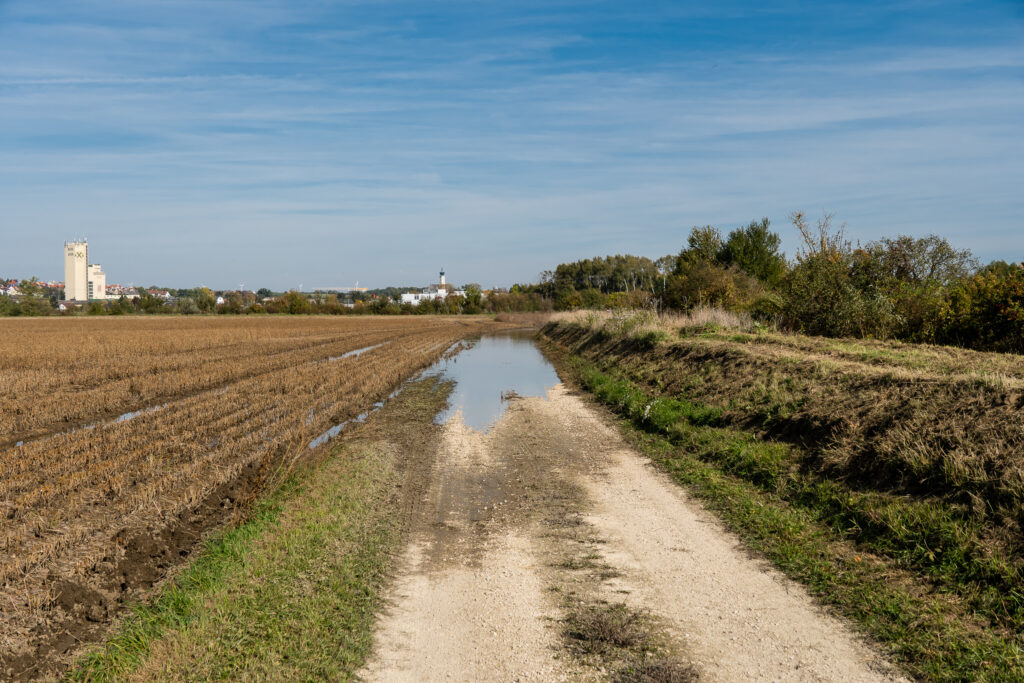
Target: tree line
[
  {"x": 918, "y": 289},
  {"x": 35, "y": 300}
]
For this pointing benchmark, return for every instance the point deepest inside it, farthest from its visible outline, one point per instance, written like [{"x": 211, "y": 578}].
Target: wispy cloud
[{"x": 301, "y": 141}]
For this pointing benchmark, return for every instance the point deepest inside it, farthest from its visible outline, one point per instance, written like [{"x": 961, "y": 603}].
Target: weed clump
[
  {"x": 657, "y": 670},
  {"x": 601, "y": 629}
]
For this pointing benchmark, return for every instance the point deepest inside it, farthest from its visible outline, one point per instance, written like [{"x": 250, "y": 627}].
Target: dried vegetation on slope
[{"x": 911, "y": 453}]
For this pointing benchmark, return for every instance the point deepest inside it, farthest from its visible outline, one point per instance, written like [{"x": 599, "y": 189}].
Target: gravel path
[{"x": 476, "y": 597}]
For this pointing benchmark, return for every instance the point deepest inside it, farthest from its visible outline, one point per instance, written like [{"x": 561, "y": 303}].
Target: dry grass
[
  {"x": 920, "y": 420},
  {"x": 657, "y": 670},
  {"x": 525, "y": 319},
  {"x": 651, "y": 325},
  {"x": 228, "y": 396},
  {"x": 626, "y": 640},
  {"x": 601, "y": 628}
]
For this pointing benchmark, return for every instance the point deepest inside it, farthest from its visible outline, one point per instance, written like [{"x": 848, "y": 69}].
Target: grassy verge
[
  {"x": 910, "y": 573},
  {"x": 290, "y": 594}
]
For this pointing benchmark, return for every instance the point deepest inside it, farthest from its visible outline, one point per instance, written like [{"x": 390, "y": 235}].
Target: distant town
[{"x": 85, "y": 290}]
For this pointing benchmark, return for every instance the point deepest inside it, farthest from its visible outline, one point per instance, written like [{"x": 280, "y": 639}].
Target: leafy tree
[
  {"x": 33, "y": 299},
  {"x": 120, "y": 307},
  {"x": 914, "y": 273},
  {"x": 700, "y": 283},
  {"x": 665, "y": 265},
  {"x": 704, "y": 245},
  {"x": 147, "y": 303},
  {"x": 187, "y": 306},
  {"x": 619, "y": 273},
  {"x": 929, "y": 261},
  {"x": 755, "y": 249},
  {"x": 474, "y": 298},
  {"x": 234, "y": 304},
  {"x": 295, "y": 303},
  {"x": 1000, "y": 268},
  {"x": 204, "y": 298},
  {"x": 264, "y": 293}
]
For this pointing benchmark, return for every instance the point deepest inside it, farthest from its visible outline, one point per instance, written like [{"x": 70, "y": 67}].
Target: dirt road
[{"x": 545, "y": 549}]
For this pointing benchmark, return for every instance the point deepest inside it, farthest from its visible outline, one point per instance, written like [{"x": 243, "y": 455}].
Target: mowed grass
[
  {"x": 292, "y": 593},
  {"x": 914, "y": 574}
]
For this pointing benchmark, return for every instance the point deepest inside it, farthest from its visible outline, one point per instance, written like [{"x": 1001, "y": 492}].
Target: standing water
[
  {"x": 492, "y": 369},
  {"x": 486, "y": 374}
]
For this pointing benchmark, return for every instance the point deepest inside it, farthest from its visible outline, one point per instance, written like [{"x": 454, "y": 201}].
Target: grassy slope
[
  {"x": 928, "y": 575},
  {"x": 291, "y": 593}
]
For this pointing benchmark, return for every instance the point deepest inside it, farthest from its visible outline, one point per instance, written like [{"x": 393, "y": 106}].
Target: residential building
[{"x": 97, "y": 282}]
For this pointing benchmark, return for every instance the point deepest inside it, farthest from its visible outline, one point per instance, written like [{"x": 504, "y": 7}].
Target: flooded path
[
  {"x": 534, "y": 511},
  {"x": 494, "y": 370}
]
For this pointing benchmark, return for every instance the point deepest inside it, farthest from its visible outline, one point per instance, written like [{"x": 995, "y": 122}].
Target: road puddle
[{"x": 489, "y": 373}]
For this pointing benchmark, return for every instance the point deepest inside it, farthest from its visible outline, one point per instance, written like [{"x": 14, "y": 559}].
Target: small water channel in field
[
  {"x": 123, "y": 417},
  {"x": 492, "y": 370},
  {"x": 358, "y": 352}
]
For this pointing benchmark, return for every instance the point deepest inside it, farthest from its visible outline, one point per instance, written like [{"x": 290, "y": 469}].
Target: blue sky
[{"x": 279, "y": 143}]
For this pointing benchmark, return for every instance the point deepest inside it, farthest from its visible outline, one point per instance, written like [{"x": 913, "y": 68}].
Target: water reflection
[{"x": 493, "y": 369}]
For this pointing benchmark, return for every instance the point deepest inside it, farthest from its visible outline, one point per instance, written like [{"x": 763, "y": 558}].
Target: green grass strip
[
  {"x": 179, "y": 604},
  {"x": 941, "y": 540},
  {"x": 290, "y": 594}
]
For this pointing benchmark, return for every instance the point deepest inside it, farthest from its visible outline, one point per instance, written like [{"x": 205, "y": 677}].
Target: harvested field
[{"x": 98, "y": 507}]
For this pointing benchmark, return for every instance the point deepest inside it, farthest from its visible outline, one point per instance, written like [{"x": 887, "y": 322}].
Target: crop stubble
[{"x": 226, "y": 406}]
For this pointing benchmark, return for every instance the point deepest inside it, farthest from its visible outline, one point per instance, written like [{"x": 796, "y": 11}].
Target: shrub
[
  {"x": 822, "y": 297},
  {"x": 187, "y": 306},
  {"x": 914, "y": 273},
  {"x": 985, "y": 311},
  {"x": 702, "y": 284}
]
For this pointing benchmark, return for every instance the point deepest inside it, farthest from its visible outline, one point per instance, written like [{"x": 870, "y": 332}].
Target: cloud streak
[{"x": 283, "y": 145}]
